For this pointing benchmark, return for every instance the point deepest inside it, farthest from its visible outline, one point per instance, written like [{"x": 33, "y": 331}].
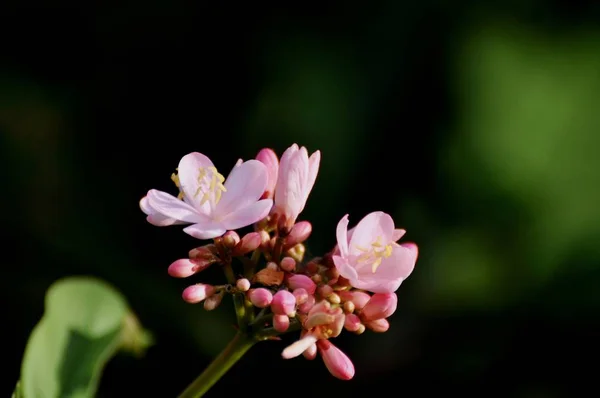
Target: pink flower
[
  {"x": 297, "y": 175},
  {"x": 210, "y": 203},
  {"x": 338, "y": 363},
  {"x": 369, "y": 257},
  {"x": 269, "y": 158}
]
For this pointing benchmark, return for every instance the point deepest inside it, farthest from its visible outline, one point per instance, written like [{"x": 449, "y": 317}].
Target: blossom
[
  {"x": 208, "y": 201},
  {"x": 269, "y": 158},
  {"x": 368, "y": 255},
  {"x": 296, "y": 177}
]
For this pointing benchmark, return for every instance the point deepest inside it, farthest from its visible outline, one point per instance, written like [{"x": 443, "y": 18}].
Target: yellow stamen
[
  {"x": 375, "y": 254},
  {"x": 211, "y": 177}
]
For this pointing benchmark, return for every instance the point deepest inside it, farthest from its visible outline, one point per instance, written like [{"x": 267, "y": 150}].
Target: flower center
[
  {"x": 375, "y": 254},
  {"x": 210, "y": 185}
]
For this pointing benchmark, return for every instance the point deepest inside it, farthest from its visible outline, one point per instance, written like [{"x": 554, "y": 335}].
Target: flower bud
[
  {"x": 249, "y": 242},
  {"x": 269, "y": 158},
  {"x": 308, "y": 304},
  {"x": 298, "y": 234},
  {"x": 281, "y": 323},
  {"x": 213, "y": 301},
  {"x": 352, "y": 323},
  {"x": 272, "y": 266},
  {"x": 260, "y": 297},
  {"x": 361, "y": 329},
  {"x": 288, "y": 264},
  {"x": 324, "y": 291},
  {"x": 206, "y": 253},
  {"x": 381, "y": 305},
  {"x": 196, "y": 293},
  {"x": 358, "y": 298},
  {"x": 284, "y": 303},
  {"x": 378, "y": 325},
  {"x": 242, "y": 284},
  {"x": 185, "y": 267},
  {"x": 301, "y": 295},
  {"x": 334, "y": 298},
  {"x": 230, "y": 239},
  {"x": 265, "y": 239},
  {"x": 301, "y": 281},
  {"x": 348, "y": 307},
  {"x": 338, "y": 364}
]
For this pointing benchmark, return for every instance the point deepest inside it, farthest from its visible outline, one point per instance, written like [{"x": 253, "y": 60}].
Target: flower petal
[
  {"x": 398, "y": 233},
  {"x": 245, "y": 185},
  {"x": 188, "y": 172},
  {"x": 205, "y": 230},
  {"x": 391, "y": 272},
  {"x": 373, "y": 226},
  {"x": 345, "y": 268},
  {"x": 155, "y": 218},
  {"x": 299, "y": 346},
  {"x": 342, "y": 236},
  {"x": 247, "y": 215},
  {"x": 169, "y": 206},
  {"x": 313, "y": 170}
]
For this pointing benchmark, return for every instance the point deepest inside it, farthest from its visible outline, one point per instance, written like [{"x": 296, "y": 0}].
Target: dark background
[{"x": 475, "y": 124}]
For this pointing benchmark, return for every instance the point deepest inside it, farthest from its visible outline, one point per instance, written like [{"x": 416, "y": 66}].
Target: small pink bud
[
  {"x": 196, "y": 293},
  {"x": 378, "y": 325},
  {"x": 299, "y": 233},
  {"x": 281, "y": 323},
  {"x": 324, "y": 291},
  {"x": 381, "y": 305},
  {"x": 308, "y": 304},
  {"x": 358, "y": 298},
  {"x": 352, "y": 323},
  {"x": 243, "y": 284},
  {"x": 288, "y": 264},
  {"x": 269, "y": 158},
  {"x": 361, "y": 329},
  {"x": 249, "y": 242},
  {"x": 301, "y": 295},
  {"x": 185, "y": 267},
  {"x": 260, "y": 297},
  {"x": 272, "y": 266},
  {"x": 338, "y": 364},
  {"x": 301, "y": 281},
  {"x": 213, "y": 302},
  {"x": 284, "y": 303},
  {"x": 311, "y": 352},
  {"x": 230, "y": 239}
]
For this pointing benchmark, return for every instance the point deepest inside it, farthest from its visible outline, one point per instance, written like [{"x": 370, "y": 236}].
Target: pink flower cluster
[{"x": 350, "y": 288}]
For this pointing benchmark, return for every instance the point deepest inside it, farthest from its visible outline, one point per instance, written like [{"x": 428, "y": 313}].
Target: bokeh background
[{"x": 475, "y": 124}]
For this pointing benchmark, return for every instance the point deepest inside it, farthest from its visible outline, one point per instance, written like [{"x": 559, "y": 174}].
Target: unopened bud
[
  {"x": 301, "y": 281},
  {"x": 204, "y": 253},
  {"x": 332, "y": 275},
  {"x": 299, "y": 233},
  {"x": 297, "y": 252},
  {"x": 361, "y": 329},
  {"x": 378, "y": 325},
  {"x": 213, "y": 302},
  {"x": 281, "y": 323},
  {"x": 185, "y": 267},
  {"x": 230, "y": 239},
  {"x": 352, "y": 323},
  {"x": 317, "y": 279},
  {"x": 308, "y": 304},
  {"x": 312, "y": 267},
  {"x": 284, "y": 303},
  {"x": 242, "y": 284},
  {"x": 301, "y": 295},
  {"x": 324, "y": 291},
  {"x": 358, "y": 298},
  {"x": 381, "y": 305},
  {"x": 334, "y": 298},
  {"x": 196, "y": 293},
  {"x": 348, "y": 307},
  {"x": 288, "y": 264},
  {"x": 272, "y": 266},
  {"x": 260, "y": 297},
  {"x": 249, "y": 242}
]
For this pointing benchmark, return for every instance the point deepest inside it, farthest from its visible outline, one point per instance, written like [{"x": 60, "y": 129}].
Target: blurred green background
[{"x": 475, "y": 124}]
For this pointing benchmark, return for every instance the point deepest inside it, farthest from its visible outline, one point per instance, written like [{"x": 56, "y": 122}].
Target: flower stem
[{"x": 236, "y": 348}]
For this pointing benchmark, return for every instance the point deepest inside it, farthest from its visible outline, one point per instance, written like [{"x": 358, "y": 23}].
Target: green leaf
[{"x": 86, "y": 321}]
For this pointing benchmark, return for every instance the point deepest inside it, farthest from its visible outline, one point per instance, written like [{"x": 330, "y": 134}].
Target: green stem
[{"x": 240, "y": 344}]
